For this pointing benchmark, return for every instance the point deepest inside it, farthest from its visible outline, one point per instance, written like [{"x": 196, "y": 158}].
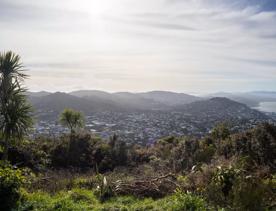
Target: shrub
[
  {"x": 236, "y": 188},
  {"x": 76, "y": 151},
  {"x": 249, "y": 193},
  {"x": 104, "y": 190},
  {"x": 187, "y": 202},
  {"x": 205, "y": 154},
  {"x": 83, "y": 151},
  {"x": 10, "y": 183},
  {"x": 220, "y": 132},
  {"x": 33, "y": 154}
]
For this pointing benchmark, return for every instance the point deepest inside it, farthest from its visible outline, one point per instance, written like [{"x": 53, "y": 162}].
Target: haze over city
[{"x": 191, "y": 46}]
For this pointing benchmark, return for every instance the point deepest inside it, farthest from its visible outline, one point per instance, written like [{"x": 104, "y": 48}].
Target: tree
[
  {"x": 72, "y": 119},
  {"x": 221, "y": 131},
  {"x": 15, "y": 111},
  {"x": 118, "y": 150}
]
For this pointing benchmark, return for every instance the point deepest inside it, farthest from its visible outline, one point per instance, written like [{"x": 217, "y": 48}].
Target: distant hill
[
  {"x": 170, "y": 98},
  {"x": 154, "y": 100},
  {"x": 122, "y": 100},
  {"x": 38, "y": 94},
  {"x": 94, "y": 100},
  {"x": 89, "y": 101},
  {"x": 58, "y": 101},
  {"x": 145, "y": 100},
  {"x": 91, "y": 93},
  {"x": 135, "y": 101},
  {"x": 252, "y": 99},
  {"x": 221, "y": 108}
]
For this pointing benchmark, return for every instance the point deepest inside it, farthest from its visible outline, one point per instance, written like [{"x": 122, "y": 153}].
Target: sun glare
[{"x": 97, "y": 7}]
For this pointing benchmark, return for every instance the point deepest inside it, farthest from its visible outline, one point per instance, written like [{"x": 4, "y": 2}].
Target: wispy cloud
[
  {"x": 143, "y": 45},
  {"x": 22, "y": 11},
  {"x": 270, "y": 63}
]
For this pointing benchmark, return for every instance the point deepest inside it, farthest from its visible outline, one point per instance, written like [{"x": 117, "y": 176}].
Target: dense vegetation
[{"x": 80, "y": 171}]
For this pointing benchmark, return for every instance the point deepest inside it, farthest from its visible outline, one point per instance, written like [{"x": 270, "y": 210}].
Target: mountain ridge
[
  {"x": 97, "y": 100},
  {"x": 217, "y": 107}
]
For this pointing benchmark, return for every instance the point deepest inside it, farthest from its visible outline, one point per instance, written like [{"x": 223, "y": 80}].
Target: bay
[{"x": 267, "y": 106}]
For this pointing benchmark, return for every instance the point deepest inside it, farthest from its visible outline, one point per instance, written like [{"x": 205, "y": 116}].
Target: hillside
[
  {"x": 160, "y": 100},
  {"x": 251, "y": 99},
  {"x": 138, "y": 102},
  {"x": 89, "y": 102},
  {"x": 94, "y": 100},
  {"x": 90, "y": 93},
  {"x": 141, "y": 120},
  {"x": 141, "y": 101},
  {"x": 38, "y": 94},
  {"x": 170, "y": 98},
  {"x": 58, "y": 101},
  {"x": 221, "y": 109}
]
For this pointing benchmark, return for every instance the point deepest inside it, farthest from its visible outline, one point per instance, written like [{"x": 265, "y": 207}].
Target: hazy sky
[{"x": 140, "y": 45}]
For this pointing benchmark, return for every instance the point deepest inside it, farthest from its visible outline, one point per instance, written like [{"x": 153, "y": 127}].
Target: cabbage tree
[
  {"x": 72, "y": 119},
  {"x": 15, "y": 111}
]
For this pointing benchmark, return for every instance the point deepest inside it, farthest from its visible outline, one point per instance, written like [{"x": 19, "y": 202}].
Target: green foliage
[
  {"x": 81, "y": 151},
  {"x": 15, "y": 118},
  {"x": 81, "y": 199},
  {"x": 220, "y": 132},
  {"x": 34, "y": 154},
  {"x": 104, "y": 190},
  {"x": 235, "y": 188},
  {"x": 74, "y": 151},
  {"x": 72, "y": 119},
  {"x": 86, "y": 151},
  {"x": 139, "y": 154},
  {"x": 225, "y": 178},
  {"x": 259, "y": 144},
  {"x": 236, "y": 174},
  {"x": 205, "y": 154},
  {"x": 118, "y": 150},
  {"x": 249, "y": 193},
  {"x": 75, "y": 199},
  {"x": 187, "y": 202},
  {"x": 11, "y": 181}
]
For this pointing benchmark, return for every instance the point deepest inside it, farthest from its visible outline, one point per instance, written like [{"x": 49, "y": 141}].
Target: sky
[{"x": 192, "y": 46}]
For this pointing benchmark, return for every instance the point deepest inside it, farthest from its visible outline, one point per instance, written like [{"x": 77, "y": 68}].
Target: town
[{"x": 145, "y": 127}]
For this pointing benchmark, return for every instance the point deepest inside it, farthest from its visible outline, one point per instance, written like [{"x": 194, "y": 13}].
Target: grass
[{"x": 83, "y": 199}]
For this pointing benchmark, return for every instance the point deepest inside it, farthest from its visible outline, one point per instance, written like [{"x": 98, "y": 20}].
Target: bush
[
  {"x": 85, "y": 151},
  {"x": 104, "y": 190},
  {"x": 33, "y": 154},
  {"x": 75, "y": 151},
  {"x": 249, "y": 194},
  {"x": 187, "y": 202},
  {"x": 10, "y": 183},
  {"x": 236, "y": 188}
]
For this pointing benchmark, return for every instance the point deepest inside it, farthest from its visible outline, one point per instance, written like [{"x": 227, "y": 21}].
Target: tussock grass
[{"x": 83, "y": 199}]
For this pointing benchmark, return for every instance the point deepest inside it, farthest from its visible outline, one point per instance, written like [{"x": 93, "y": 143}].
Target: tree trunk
[{"x": 6, "y": 149}]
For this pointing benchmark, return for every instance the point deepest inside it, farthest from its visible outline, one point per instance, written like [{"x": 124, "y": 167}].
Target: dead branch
[{"x": 148, "y": 187}]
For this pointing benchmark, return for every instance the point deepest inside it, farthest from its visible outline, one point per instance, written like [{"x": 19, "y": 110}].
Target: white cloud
[{"x": 191, "y": 45}]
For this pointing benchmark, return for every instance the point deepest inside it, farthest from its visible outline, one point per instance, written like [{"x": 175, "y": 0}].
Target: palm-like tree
[
  {"x": 15, "y": 119},
  {"x": 72, "y": 119}
]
